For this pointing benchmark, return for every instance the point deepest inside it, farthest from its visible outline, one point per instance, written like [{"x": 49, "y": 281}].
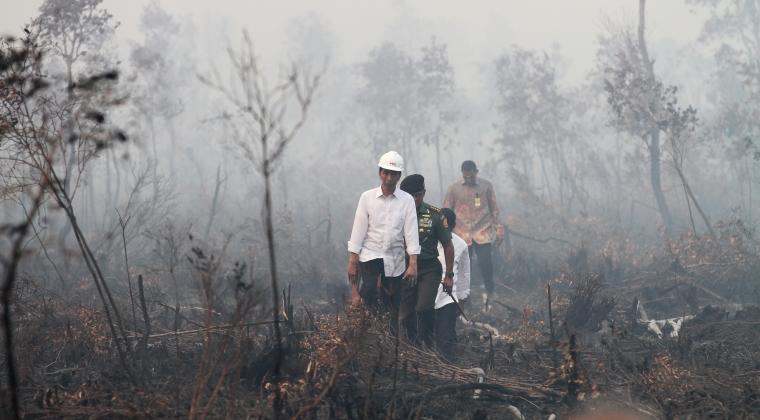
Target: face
[
  {"x": 389, "y": 178},
  {"x": 470, "y": 176},
  {"x": 418, "y": 197}
]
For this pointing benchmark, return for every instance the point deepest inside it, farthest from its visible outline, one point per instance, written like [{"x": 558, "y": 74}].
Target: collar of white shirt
[{"x": 379, "y": 192}]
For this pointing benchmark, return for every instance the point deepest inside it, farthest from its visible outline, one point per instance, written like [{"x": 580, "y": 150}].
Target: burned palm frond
[
  {"x": 119, "y": 135},
  {"x": 90, "y": 82},
  {"x": 96, "y": 116},
  {"x": 36, "y": 85},
  {"x": 588, "y": 306}
]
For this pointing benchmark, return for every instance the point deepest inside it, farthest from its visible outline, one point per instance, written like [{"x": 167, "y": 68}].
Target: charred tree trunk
[
  {"x": 173, "y": 155},
  {"x": 9, "y": 277},
  {"x": 654, "y": 133},
  {"x": 214, "y": 201},
  {"x": 547, "y": 181},
  {"x": 654, "y": 173},
  {"x": 690, "y": 195},
  {"x": 269, "y": 226}
]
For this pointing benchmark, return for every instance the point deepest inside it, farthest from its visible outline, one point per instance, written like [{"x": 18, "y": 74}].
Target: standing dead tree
[
  {"x": 268, "y": 124},
  {"x": 19, "y": 64},
  {"x": 73, "y": 29},
  {"x": 49, "y": 136},
  {"x": 389, "y": 99},
  {"x": 643, "y": 105},
  {"x": 535, "y": 126},
  {"x": 76, "y": 34},
  {"x": 636, "y": 97},
  {"x": 17, "y": 235},
  {"x": 679, "y": 127}
]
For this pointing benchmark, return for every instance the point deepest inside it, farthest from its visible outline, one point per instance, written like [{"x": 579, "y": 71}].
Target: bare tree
[
  {"x": 19, "y": 71},
  {"x": 637, "y": 99},
  {"x": 680, "y": 127},
  {"x": 74, "y": 29},
  {"x": 50, "y": 140},
  {"x": 263, "y": 113},
  {"x": 733, "y": 29},
  {"x": 436, "y": 100},
  {"x": 389, "y": 99},
  {"x": 644, "y": 106},
  {"x": 535, "y": 124},
  {"x": 407, "y": 100},
  {"x": 77, "y": 33},
  {"x": 157, "y": 94}
]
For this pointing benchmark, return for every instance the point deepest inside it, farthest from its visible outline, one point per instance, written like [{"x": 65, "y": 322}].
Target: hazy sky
[{"x": 358, "y": 25}]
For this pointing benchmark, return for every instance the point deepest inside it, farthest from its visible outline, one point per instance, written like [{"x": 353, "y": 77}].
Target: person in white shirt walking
[
  {"x": 384, "y": 231},
  {"x": 446, "y": 310}
]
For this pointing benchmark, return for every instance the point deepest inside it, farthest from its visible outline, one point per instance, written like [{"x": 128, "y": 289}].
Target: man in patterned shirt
[{"x": 474, "y": 202}]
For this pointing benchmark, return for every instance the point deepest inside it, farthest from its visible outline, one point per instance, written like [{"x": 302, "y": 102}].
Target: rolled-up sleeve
[
  {"x": 359, "y": 230},
  {"x": 411, "y": 236}
]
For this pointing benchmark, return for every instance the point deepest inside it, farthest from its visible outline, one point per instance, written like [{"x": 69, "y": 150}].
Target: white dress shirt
[
  {"x": 461, "y": 288},
  {"x": 381, "y": 227}
]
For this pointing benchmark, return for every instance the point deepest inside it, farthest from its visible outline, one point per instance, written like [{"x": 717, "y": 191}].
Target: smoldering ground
[{"x": 178, "y": 187}]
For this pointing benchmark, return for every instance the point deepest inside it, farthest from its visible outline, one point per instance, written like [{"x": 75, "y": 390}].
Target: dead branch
[
  {"x": 123, "y": 224},
  {"x": 146, "y": 318},
  {"x": 18, "y": 234},
  {"x": 541, "y": 240},
  {"x": 264, "y": 110},
  {"x": 208, "y": 329}
]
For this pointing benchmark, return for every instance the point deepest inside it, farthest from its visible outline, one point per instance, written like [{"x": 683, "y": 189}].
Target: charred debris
[{"x": 162, "y": 258}]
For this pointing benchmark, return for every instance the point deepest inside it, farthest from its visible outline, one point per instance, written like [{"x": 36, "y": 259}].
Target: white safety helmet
[{"x": 391, "y": 161}]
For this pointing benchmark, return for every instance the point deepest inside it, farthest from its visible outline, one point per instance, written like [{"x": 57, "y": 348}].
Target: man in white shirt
[
  {"x": 446, "y": 310},
  {"x": 384, "y": 231}
]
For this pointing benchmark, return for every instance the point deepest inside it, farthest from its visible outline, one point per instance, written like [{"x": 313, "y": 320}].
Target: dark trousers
[
  {"x": 380, "y": 293},
  {"x": 485, "y": 263},
  {"x": 445, "y": 329},
  {"x": 417, "y": 311}
]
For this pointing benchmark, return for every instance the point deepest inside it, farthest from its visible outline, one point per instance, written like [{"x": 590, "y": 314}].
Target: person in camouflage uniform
[{"x": 417, "y": 309}]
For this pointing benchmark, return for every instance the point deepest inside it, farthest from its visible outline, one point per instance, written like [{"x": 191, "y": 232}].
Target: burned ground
[
  {"x": 172, "y": 240},
  {"x": 670, "y": 336}
]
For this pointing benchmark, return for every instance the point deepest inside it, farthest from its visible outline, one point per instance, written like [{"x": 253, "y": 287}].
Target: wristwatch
[{"x": 450, "y": 274}]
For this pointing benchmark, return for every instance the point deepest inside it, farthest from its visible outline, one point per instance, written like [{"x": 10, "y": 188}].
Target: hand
[
  {"x": 411, "y": 274},
  {"x": 499, "y": 233},
  {"x": 448, "y": 284},
  {"x": 353, "y": 273},
  {"x": 356, "y": 298}
]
